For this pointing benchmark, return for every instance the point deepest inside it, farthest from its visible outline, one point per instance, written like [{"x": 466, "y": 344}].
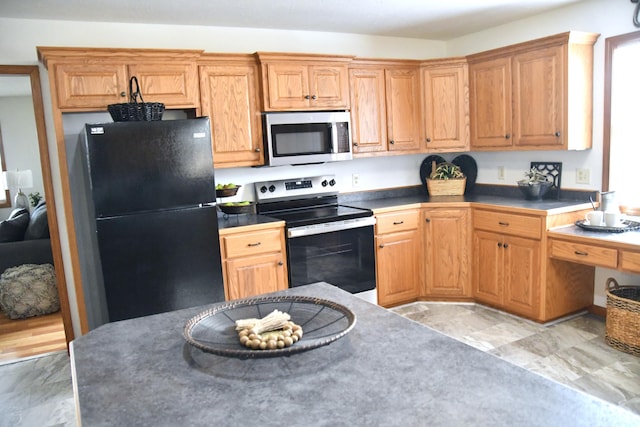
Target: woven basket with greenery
[{"x": 446, "y": 179}]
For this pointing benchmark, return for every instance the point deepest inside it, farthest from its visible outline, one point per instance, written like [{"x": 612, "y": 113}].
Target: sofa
[
  {"x": 24, "y": 238},
  {"x": 27, "y": 278}
]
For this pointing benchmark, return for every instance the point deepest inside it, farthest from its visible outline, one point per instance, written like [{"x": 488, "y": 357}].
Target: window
[
  {"x": 5, "y": 201},
  {"x": 621, "y": 128}
]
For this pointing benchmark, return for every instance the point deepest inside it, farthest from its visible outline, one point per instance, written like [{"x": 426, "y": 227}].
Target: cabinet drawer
[
  {"x": 518, "y": 225},
  {"x": 630, "y": 261},
  {"x": 251, "y": 243},
  {"x": 584, "y": 254},
  {"x": 397, "y": 221}
]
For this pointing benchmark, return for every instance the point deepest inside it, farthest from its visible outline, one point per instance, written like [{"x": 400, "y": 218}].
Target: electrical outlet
[
  {"x": 583, "y": 176},
  {"x": 355, "y": 180},
  {"x": 501, "y": 172}
]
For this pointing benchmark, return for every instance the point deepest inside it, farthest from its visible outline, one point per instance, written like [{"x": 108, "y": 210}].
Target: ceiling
[{"x": 423, "y": 19}]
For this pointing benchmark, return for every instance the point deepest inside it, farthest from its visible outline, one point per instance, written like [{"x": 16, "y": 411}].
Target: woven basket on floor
[{"x": 623, "y": 317}]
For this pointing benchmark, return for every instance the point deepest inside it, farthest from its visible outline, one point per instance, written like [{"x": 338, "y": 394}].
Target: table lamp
[{"x": 19, "y": 179}]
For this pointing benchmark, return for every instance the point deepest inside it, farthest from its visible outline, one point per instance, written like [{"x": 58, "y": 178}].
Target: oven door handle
[{"x": 328, "y": 227}]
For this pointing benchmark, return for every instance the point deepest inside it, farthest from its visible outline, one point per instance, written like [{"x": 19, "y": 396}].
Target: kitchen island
[{"x": 387, "y": 371}]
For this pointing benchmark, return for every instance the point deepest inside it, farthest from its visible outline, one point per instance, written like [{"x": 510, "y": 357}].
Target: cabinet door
[
  {"x": 490, "y": 103},
  {"x": 90, "y": 87},
  {"x": 174, "y": 84},
  {"x": 403, "y": 109},
  {"x": 255, "y": 275},
  {"x": 538, "y": 88},
  {"x": 488, "y": 266},
  {"x": 398, "y": 267},
  {"x": 447, "y": 253},
  {"x": 368, "y": 110},
  {"x": 329, "y": 86},
  {"x": 288, "y": 86},
  {"x": 230, "y": 99},
  {"x": 444, "y": 108},
  {"x": 522, "y": 266}
]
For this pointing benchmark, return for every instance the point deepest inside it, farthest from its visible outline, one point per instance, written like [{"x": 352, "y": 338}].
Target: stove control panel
[{"x": 296, "y": 188}]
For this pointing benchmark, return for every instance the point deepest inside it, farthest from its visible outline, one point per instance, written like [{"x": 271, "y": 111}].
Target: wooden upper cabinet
[
  {"x": 403, "y": 109},
  {"x": 368, "y": 110},
  {"x": 230, "y": 96},
  {"x": 490, "y": 103},
  {"x": 174, "y": 84},
  {"x": 87, "y": 85},
  {"x": 538, "y": 97},
  {"x": 304, "y": 82},
  {"x": 535, "y": 95},
  {"x": 445, "y": 106},
  {"x": 91, "y": 79}
]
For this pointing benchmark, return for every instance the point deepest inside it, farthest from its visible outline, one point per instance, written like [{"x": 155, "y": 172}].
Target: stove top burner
[{"x": 304, "y": 201}]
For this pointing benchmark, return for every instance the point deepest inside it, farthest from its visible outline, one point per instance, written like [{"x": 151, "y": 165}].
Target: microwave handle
[{"x": 334, "y": 138}]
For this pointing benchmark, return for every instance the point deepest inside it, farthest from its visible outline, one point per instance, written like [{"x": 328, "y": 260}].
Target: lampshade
[{"x": 17, "y": 179}]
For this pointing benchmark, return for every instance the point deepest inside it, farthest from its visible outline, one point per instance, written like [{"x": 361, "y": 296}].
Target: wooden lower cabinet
[
  {"x": 446, "y": 253},
  {"x": 507, "y": 272},
  {"x": 398, "y": 257},
  {"x": 254, "y": 262}
]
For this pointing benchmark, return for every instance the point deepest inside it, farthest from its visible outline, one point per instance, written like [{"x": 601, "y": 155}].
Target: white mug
[
  {"x": 594, "y": 217},
  {"x": 612, "y": 218}
]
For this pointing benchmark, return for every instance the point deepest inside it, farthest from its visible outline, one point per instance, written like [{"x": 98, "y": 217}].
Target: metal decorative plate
[
  {"x": 626, "y": 225},
  {"x": 322, "y": 321}
]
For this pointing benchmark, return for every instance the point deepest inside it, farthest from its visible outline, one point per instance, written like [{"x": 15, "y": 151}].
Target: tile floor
[
  {"x": 572, "y": 352},
  {"x": 38, "y": 391}
]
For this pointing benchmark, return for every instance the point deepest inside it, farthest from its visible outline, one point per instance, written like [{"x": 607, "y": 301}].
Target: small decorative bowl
[
  {"x": 233, "y": 209},
  {"x": 534, "y": 190},
  {"x": 227, "y": 192}
]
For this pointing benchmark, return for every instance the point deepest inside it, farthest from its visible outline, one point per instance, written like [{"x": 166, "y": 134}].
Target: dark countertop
[
  {"x": 242, "y": 220},
  {"x": 390, "y": 198},
  {"x": 543, "y": 205},
  {"x": 387, "y": 371}
]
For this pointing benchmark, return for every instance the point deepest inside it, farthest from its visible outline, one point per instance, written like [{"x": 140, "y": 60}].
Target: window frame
[{"x": 611, "y": 44}]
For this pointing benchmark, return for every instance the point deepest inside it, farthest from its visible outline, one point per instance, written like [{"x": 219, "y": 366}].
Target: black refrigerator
[{"x": 153, "y": 192}]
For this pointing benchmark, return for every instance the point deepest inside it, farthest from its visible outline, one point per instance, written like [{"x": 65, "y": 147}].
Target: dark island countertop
[{"x": 387, "y": 371}]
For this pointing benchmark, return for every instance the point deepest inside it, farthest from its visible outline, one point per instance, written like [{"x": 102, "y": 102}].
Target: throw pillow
[
  {"x": 29, "y": 290},
  {"x": 12, "y": 229},
  {"x": 38, "y": 224}
]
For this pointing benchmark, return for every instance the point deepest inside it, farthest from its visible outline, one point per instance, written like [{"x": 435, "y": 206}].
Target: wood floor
[{"x": 31, "y": 336}]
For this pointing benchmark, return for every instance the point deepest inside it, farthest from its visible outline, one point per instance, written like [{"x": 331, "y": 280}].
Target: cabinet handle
[
  {"x": 499, "y": 244},
  {"x": 307, "y": 97},
  {"x": 314, "y": 97},
  {"x": 392, "y": 142},
  {"x": 504, "y": 224},
  {"x": 355, "y": 144},
  {"x": 428, "y": 139},
  {"x": 398, "y": 222},
  {"x": 123, "y": 94},
  {"x": 557, "y": 133},
  {"x": 580, "y": 253},
  {"x": 381, "y": 246},
  {"x": 507, "y": 136},
  {"x": 257, "y": 150},
  {"x": 254, "y": 244},
  {"x": 428, "y": 219},
  {"x": 280, "y": 263},
  {"x": 506, "y": 245}
]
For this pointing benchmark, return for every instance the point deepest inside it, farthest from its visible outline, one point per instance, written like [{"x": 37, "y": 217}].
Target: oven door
[{"x": 341, "y": 255}]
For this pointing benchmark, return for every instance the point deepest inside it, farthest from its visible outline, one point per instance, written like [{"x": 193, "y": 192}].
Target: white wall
[
  {"x": 20, "y": 141},
  {"x": 607, "y": 17}
]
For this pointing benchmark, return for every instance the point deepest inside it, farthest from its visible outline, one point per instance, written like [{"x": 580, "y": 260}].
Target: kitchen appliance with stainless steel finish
[
  {"x": 326, "y": 241},
  {"x": 304, "y": 137}
]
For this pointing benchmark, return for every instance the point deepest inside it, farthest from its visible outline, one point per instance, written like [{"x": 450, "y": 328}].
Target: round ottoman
[{"x": 29, "y": 290}]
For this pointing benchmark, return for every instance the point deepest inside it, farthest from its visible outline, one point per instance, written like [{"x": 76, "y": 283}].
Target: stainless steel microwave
[{"x": 307, "y": 137}]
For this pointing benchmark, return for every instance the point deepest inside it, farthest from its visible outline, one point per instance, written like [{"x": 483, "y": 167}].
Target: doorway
[{"x": 21, "y": 95}]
